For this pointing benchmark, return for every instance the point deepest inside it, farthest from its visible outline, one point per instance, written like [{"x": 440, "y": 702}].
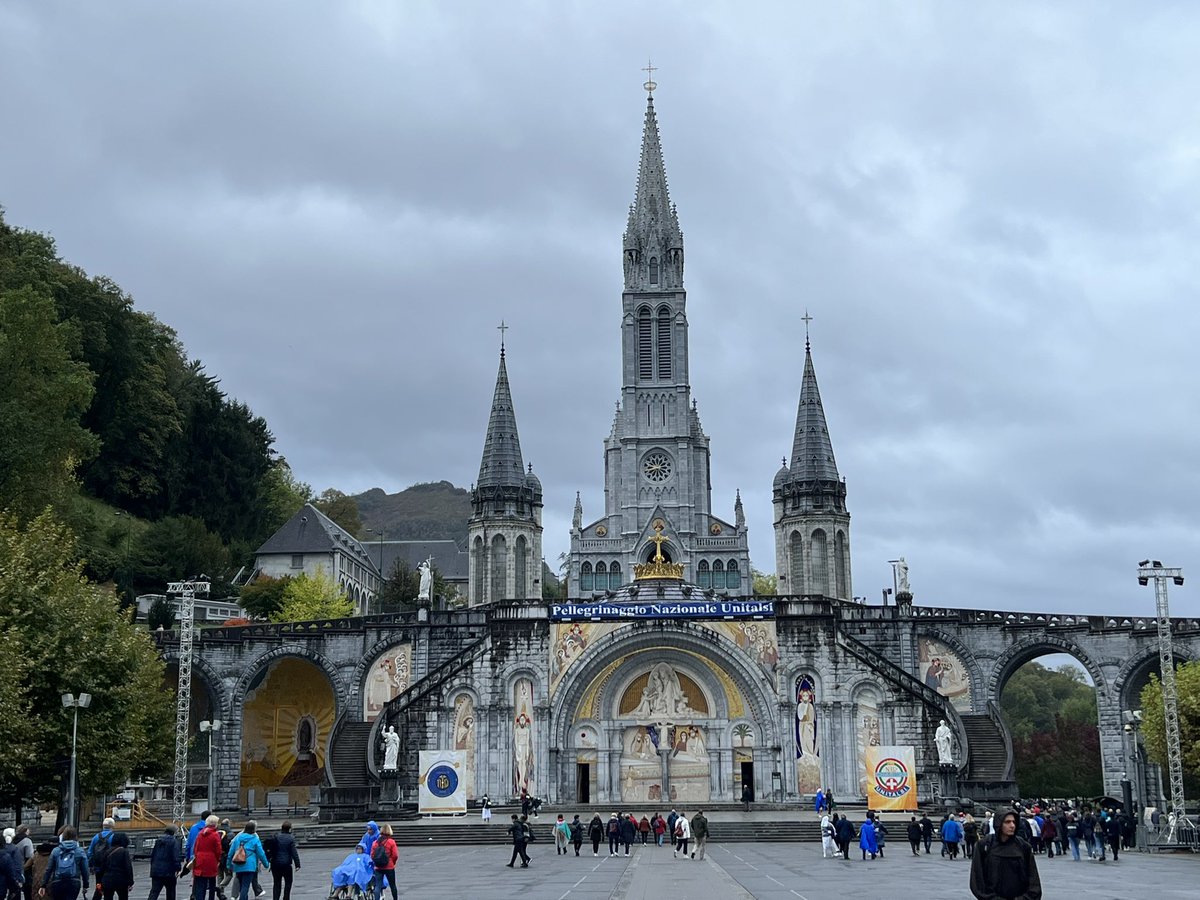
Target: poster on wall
[
  {"x": 891, "y": 778},
  {"x": 441, "y": 788}
]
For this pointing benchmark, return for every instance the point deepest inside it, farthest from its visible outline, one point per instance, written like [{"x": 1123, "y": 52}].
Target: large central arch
[{"x": 735, "y": 692}]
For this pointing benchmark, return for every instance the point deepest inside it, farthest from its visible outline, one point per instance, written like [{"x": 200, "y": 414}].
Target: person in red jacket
[
  {"x": 384, "y": 846},
  {"x": 206, "y": 860}
]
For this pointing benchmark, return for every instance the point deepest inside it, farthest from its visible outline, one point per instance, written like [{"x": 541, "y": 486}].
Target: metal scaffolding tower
[
  {"x": 186, "y": 591},
  {"x": 1161, "y": 574}
]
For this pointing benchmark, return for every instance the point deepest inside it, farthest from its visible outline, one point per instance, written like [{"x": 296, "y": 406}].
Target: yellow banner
[{"x": 891, "y": 778}]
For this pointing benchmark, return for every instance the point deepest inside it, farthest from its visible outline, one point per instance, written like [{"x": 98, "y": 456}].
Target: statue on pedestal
[
  {"x": 426, "y": 589},
  {"x": 391, "y": 749},
  {"x": 944, "y": 739}
]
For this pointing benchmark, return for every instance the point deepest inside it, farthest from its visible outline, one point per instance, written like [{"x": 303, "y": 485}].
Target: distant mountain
[{"x": 424, "y": 512}]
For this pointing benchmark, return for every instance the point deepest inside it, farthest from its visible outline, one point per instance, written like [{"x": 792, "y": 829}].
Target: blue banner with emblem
[{"x": 663, "y": 609}]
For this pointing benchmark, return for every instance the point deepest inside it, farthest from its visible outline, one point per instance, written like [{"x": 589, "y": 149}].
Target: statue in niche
[
  {"x": 391, "y": 749},
  {"x": 943, "y": 738},
  {"x": 663, "y": 699}
]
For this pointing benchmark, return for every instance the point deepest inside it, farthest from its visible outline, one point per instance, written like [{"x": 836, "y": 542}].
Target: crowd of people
[{"x": 623, "y": 831}]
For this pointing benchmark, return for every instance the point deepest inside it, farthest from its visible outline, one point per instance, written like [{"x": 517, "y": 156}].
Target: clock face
[{"x": 657, "y": 467}]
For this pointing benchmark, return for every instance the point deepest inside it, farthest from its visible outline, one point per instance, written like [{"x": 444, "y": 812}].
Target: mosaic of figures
[
  {"x": 569, "y": 640},
  {"x": 808, "y": 752},
  {"x": 524, "y": 750},
  {"x": 686, "y": 757},
  {"x": 942, "y": 669},
  {"x": 388, "y": 676},
  {"x": 464, "y": 739},
  {"x": 868, "y": 733}
]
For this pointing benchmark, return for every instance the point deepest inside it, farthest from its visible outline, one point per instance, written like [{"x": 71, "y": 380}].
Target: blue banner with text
[{"x": 664, "y": 609}]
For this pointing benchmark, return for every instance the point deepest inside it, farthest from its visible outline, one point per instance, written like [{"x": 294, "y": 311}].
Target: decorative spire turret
[
  {"x": 739, "y": 514},
  {"x": 502, "y": 465},
  {"x": 577, "y": 518},
  {"x": 812, "y": 451},
  {"x": 653, "y": 240}
]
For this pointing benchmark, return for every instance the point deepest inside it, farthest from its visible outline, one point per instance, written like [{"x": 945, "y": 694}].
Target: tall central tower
[{"x": 656, "y": 458}]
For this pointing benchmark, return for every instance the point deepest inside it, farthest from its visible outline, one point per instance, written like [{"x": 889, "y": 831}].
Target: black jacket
[
  {"x": 845, "y": 830},
  {"x": 1005, "y": 870},
  {"x": 118, "y": 867},
  {"x": 596, "y": 829},
  {"x": 926, "y": 824},
  {"x": 166, "y": 859},
  {"x": 915, "y": 831},
  {"x": 11, "y": 878},
  {"x": 285, "y": 853},
  {"x": 628, "y": 831}
]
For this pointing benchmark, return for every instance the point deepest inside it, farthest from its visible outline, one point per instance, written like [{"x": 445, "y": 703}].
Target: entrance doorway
[
  {"x": 748, "y": 778},
  {"x": 583, "y": 783}
]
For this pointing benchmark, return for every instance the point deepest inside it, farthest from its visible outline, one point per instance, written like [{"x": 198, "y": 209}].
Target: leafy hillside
[{"x": 431, "y": 511}]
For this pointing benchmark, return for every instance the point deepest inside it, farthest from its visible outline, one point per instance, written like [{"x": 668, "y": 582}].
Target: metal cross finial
[
  {"x": 806, "y": 318},
  {"x": 502, "y": 328},
  {"x": 650, "y": 84}
]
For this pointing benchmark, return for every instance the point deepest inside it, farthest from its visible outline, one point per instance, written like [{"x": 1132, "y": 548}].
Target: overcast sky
[{"x": 991, "y": 210}]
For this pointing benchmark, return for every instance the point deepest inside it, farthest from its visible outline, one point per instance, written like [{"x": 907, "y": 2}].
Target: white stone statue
[
  {"x": 663, "y": 699},
  {"x": 426, "y": 588},
  {"x": 391, "y": 749},
  {"x": 902, "y": 577},
  {"x": 944, "y": 739}
]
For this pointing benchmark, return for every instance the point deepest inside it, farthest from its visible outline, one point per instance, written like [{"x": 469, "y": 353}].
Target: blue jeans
[
  {"x": 1074, "y": 848},
  {"x": 245, "y": 881}
]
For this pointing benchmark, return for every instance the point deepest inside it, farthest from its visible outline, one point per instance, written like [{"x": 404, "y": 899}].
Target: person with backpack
[
  {"x": 207, "y": 853},
  {"x": 517, "y": 830},
  {"x": 166, "y": 860},
  {"x": 97, "y": 853},
  {"x": 683, "y": 834},
  {"x": 12, "y": 880},
  {"x": 246, "y": 856},
  {"x": 189, "y": 847},
  {"x": 1004, "y": 867},
  {"x": 576, "y": 834},
  {"x": 67, "y": 872},
  {"x": 596, "y": 833},
  {"x": 613, "y": 830},
  {"x": 659, "y": 824},
  {"x": 970, "y": 834},
  {"x": 118, "y": 869},
  {"x": 283, "y": 856},
  {"x": 644, "y": 830},
  {"x": 384, "y": 857}
]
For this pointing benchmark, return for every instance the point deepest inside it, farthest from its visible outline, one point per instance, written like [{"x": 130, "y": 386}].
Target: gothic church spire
[
  {"x": 653, "y": 240},
  {"x": 812, "y": 451},
  {"x": 502, "y": 465}
]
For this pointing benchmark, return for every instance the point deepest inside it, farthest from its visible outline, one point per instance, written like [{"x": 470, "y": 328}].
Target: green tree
[
  {"x": 161, "y": 614},
  {"x": 43, "y": 393},
  {"x": 72, "y": 638},
  {"x": 400, "y": 588},
  {"x": 1154, "y": 729},
  {"x": 181, "y": 547},
  {"x": 764, "y": 585},
  {"x": 263, "y": 598},
  {"x": 310, "y": 597},
  {"x": 281, "y": 495},
  {"x": 340, "y": 507}
]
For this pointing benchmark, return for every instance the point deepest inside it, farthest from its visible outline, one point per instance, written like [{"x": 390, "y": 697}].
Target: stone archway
[
  {"x": 1031, "y": 648},
  {"x": 639, "y": 745}
]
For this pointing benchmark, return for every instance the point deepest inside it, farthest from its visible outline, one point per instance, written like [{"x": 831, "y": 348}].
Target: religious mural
[
  {"x": 523, "y": 740},
  {"x": 757, "y": 640},
  {"x": 868, "y": 733},
  {"x": 287, "y": 717},
  {"x": 641, "y": 766},
  {"x": 942, "y": 669},
  {"x": 568, "y": 640},
  {"x": 387, "y": 677},
  {"x": 808, "y": 753},
  {"x": 464, "y": 740}
]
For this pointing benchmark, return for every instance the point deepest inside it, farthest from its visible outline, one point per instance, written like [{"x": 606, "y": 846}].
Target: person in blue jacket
[
  {"x": 952, "y": 834},
  {"x": 166, "y": 860},
  {"x": 866, "y": 837},
  {"x": 368, "y": 839},
  {"x": 819, "y": 801},
  {"x": 189, "y": 848},
  {"x": 248, "y": 841}
]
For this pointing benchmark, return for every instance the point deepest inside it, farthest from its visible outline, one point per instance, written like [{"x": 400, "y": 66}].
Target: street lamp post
[
  {"x": 211, "y": 727},
  {"x": 70, "y": 701}
]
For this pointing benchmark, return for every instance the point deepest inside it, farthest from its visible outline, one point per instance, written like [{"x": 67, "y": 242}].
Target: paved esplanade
[{"x": 732, "y": 872}]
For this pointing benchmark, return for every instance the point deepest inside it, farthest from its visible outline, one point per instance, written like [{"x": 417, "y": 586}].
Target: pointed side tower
[
  {"x": 505, "y": 529},
  {"x": 812, "y": 527}
]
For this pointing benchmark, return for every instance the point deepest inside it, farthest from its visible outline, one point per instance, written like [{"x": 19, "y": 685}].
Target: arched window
[
  {"x": 664, "y": 343},
  {"x": 499, "y": 568},
  {"x": 479, "y": 564},
  {"x": 522, "y": 588},
  {"x": 839, "y": 563},
  {"x": 703, "y": 575},
  {"x": 820, "y": 564},
  {"x": 654, "y": 270},
  {"x": 614, "y": 576},
  {"x": 601, "y": 576},
  {"x": 585, "y": 577},
  {"x": 733, "y": 579},
  {"x": 645, "y": 346},
  {"x": 718, "y": 575},
  {"x": 796, "y": 558}
]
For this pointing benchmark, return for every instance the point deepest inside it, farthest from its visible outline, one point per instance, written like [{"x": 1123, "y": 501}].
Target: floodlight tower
[
  {"x": 1154, "y": 569},
  {"x": 186, "y": 591}
]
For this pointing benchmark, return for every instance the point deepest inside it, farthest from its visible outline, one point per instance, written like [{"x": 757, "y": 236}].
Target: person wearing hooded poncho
[
  {"x": 1004, "y": 867},
  {"x": 866, "y": 838},
  {"x": 355, "y": 869},
  {"x": 369, "y": 837}
]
